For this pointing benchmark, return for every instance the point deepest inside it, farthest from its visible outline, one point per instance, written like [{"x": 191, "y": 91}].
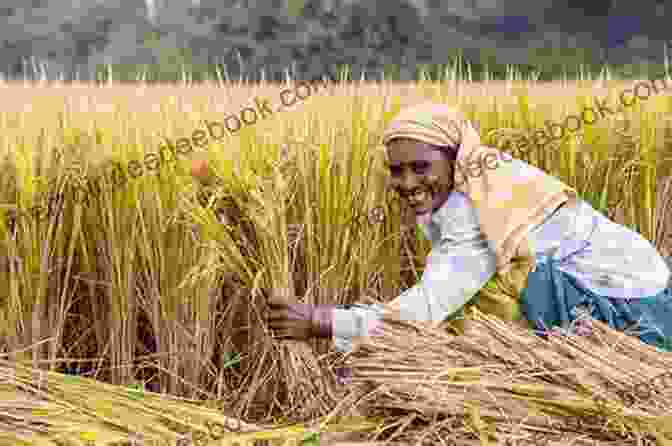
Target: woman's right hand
[
  {"x": 298, "y": 321},
  {"x": 289, "y": 321}
]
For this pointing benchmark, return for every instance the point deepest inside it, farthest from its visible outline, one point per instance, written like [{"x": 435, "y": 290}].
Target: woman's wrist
[
  {"x": 320, "y": 317},
  {"x": 322, "y": 320}
]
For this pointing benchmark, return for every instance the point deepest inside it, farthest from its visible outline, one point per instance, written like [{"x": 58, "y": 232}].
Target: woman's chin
[
  {"x": 427, "y": 208},
  {"x": 423, "y": 209},
  {"x": 423, "y": 217}
]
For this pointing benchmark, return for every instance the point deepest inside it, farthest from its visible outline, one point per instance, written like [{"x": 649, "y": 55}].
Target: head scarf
[{"x": 510, "y": 199}]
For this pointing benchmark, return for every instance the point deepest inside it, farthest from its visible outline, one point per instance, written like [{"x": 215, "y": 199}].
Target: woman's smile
[{"x": 420, "y": 201}]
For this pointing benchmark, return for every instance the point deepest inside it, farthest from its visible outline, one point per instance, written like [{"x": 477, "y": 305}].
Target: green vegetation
[{"x": 544, "y": 64}]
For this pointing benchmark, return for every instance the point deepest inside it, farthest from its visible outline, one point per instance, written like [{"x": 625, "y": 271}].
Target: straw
[{"x": 501, "y": 382}]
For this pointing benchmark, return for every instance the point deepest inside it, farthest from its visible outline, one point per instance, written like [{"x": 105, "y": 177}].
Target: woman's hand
[
  {"x": 290, "y": 321},
  {"x": 298, "y": 321}
]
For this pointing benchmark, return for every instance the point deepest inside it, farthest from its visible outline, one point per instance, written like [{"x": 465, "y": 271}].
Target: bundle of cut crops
[
  {"x": 501, "y": 383},
  {"x": 49, "y": 408},
  {"x": 43, "y": 408}
]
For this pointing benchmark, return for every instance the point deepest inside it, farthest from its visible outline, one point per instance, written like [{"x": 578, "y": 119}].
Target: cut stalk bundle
[
  {"x": 44, "y": 408},
  {"x": 256, "y": 248},
  {"x": 501, "y": 382},
  {"x": 49, "y": 408}
]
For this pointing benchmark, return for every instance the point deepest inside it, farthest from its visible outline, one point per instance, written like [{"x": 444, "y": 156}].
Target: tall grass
[{"x": 162, "y": 282}]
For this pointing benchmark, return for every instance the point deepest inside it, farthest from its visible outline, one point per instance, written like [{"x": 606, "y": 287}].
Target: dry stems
[
  {"x": 96, "y": 280},
  {"x": 500, "y": 381}
]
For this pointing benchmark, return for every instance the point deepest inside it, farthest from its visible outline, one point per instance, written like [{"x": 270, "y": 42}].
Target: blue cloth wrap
[{"x": 551, "y": 296}]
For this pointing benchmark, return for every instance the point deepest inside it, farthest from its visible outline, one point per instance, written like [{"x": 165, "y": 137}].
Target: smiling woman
[{"x": 511, "y": 241}]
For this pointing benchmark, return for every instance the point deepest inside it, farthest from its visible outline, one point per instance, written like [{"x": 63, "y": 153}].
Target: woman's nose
[{"x": 408, "y": 182}]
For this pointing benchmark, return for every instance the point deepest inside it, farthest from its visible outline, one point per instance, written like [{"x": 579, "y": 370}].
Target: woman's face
[{"x": 421, "y": 174}]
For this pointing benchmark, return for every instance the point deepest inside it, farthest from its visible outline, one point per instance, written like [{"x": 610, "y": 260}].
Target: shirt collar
[{"x": 432, "y": 229}]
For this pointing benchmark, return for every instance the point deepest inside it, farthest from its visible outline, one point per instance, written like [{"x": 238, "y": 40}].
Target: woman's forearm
[
  {"x": 355, "y": 320},
  {"x": 352, "y": 322},
  {"x": 322, "y": 318}
]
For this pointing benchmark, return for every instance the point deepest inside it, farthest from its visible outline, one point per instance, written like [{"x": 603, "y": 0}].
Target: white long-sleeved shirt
[{"x": 605, "y": 257}]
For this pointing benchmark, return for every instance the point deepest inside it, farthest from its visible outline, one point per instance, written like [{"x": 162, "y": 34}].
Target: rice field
[{"x": 159, "y": 285}]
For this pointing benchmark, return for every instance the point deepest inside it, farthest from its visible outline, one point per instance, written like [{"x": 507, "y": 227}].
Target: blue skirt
[{"x": 551, "y": 297}]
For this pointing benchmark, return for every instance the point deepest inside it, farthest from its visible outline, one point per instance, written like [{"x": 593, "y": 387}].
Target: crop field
[{"x": 116, "y": 265}]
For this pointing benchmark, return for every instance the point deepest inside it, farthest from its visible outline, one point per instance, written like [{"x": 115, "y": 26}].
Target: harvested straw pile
[
  {"x": 49, "y": 408},
  {"x": 502, "y": 383},
  {"x": 44, "y": 408}
]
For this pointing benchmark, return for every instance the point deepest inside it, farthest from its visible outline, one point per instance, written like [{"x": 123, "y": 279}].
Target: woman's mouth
[{"x": 419, "y": 201}]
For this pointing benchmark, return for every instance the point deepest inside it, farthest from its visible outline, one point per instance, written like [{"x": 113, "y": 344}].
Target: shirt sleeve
[
  {"x": 455, "y": 271},
  {"x": 353, "y": 322}
]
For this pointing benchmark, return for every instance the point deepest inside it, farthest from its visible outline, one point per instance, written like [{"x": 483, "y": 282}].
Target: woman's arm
[
  {"x": 459, "y": 265},
  {"x": 455, "y": 272},
  {"x": 349, "y": 324}
]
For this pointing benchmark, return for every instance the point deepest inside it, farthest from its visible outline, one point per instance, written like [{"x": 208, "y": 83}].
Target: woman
[{"x": 508, "y": 229}]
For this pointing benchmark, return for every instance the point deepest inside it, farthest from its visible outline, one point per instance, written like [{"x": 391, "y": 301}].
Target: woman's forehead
[{"x": 402, "y": 151}]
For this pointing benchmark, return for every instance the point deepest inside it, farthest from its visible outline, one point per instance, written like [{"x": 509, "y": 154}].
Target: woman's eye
[
  {"x": 421, "y": 168},
  {"x": 395, "y": 171}
]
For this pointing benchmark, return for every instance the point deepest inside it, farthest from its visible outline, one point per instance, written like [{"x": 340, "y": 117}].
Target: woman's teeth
[{"x": 418, "y": 198}]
